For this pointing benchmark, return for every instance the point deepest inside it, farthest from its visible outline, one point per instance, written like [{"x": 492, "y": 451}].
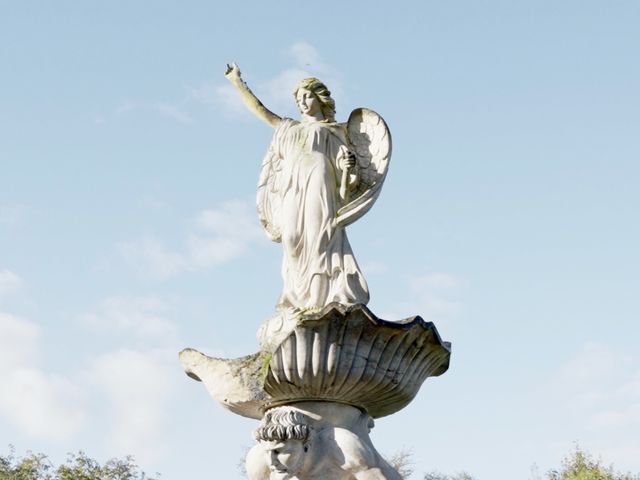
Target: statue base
[{"x": 316, "y": 385}]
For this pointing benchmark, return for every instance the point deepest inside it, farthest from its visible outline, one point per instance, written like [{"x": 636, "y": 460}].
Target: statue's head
[
  {"x": 321, "y": 93},
  {"x": 285, "y": 437}
]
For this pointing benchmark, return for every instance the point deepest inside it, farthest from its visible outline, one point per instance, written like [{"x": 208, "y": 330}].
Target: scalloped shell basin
[{"x": 350, "y": 356}]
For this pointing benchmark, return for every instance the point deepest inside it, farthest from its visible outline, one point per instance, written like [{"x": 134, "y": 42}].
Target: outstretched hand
[{"x": 232, "y": 72}]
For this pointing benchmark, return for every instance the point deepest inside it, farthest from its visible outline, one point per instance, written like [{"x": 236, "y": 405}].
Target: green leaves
[
  {"x": 580, "y": 465},
  {"x": 77, "y": 467}
]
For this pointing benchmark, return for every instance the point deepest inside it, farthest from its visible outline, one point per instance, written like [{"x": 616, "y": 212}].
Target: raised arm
[{"x": 250, "y": 100}]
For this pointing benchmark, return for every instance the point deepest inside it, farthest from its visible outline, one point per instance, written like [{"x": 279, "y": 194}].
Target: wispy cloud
[
  {"x": 599, "y": 388},
  {"x": 35, "y": 402},
  {"x": 220, "y": 94},
  {"x": 18, "y": 341},
  {"x": 223, "y": 234},
  {"x": 10, "y": 283},
  {"x": 173, "y": 111},
  {"x": 307, "y": 55},
  {"x": 216, "y": 236},
  {"x": 605, "y": 383},
  {"x": 144, "y": 317},
  {"x": 150, "y": 258},
  {"x": 276, "y": 92},
  {"x": 593, "y": 367},
  {"x": 434, "y": 294},
  {"x": 137, "y": 384},
  {"x": 42, "y": 405}
]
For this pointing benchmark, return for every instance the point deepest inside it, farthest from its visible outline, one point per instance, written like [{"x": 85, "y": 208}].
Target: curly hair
[
  {"x": 322, "y": 93},
  {"x": 283, "y": 424}
]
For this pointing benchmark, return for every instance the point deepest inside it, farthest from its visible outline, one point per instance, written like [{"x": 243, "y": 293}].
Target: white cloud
[
  {"x": 217, "y": 236},
  {"x": 10, "y": 283},
  {"x": 433, "y": 293},
  {"x": 602, "y": 385},
  {"x": 38, "y": 404},
  {"x": 275, "y": 92},
  {"x": 223, "y": 234},
  {"x": 18, "y": 342},
  {"x": 625, "y": 415},
  {"x": 224, "y": 95},
  {"x": 205, "y": 93},
  {"x": 596, "y": 396},
  {"x": 278, "y": 91},
  {"x": 595, "y": 365},
  {"x": 137, "y": 385},
  {"x": 307, "y": 55},
  {"x": 141, "y": 316},
  {"x": 151, "y": 258},
  {"x": 174, "y": 112},
  {"x": 166, "y": 109},
  {"x": 41, "y": 405}
]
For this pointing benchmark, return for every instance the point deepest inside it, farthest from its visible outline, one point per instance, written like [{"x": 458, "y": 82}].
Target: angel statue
[{"x": 317, "y": 177}]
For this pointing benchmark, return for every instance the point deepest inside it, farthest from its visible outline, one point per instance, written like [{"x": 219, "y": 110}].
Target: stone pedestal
[{"x": 317, "y": 384}]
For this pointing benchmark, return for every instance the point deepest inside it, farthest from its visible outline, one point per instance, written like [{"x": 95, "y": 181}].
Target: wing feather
[{"x": 371, "y": 142}]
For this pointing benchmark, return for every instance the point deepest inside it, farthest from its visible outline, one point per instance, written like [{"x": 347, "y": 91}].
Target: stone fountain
[{"x": 326, "y": 366}]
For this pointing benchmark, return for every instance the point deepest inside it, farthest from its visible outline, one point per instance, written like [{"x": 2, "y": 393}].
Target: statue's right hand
[{"x": 232, "y": 72}]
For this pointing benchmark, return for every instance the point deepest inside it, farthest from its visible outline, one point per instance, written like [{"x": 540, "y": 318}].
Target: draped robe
[{"x": 298, "y": 197}]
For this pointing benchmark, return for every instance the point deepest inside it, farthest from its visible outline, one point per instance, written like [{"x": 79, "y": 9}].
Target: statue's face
[
  {"x": 307, "y": 102},
  {"x": 285, "y": 459}
]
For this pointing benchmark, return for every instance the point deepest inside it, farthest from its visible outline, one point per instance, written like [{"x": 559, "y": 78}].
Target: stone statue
[
  {"x": 317, "y": 177},
  {"x": 316, "y": 441},
  {"x": 326, "y": 365}
]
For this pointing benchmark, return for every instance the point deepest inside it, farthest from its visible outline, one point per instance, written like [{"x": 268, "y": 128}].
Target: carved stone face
[
  {"x": 285, "y": 459},
  {"x": 307, "y": 102}
]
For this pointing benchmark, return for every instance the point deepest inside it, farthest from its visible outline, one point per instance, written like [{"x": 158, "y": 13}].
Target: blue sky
[{"x": 509, "y": 218}]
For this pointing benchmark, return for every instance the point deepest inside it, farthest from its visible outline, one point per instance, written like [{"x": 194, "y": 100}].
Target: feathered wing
[
  {"x": 371, "y": 142},
  {"x": 268, "y": 199}
]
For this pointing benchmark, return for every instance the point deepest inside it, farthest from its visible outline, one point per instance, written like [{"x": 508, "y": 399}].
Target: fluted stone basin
[{"x": 342, "y": 354}]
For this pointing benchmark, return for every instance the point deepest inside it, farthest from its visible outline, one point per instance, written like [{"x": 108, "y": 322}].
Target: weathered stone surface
[
  {"x": 326, "y": 366},
  {"x": 348, "y": 355},
  {"x": 316, "y": 440},
  {"x": 236, "y": 383},
  {"x": 317, "y": 177},
  {"x": 342, "y": 354}
]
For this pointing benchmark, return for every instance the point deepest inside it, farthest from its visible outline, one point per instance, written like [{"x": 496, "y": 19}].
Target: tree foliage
[
  {"x": 441, "y": 476},
  {"x": 580, "y": 465},
  {"x": 402, "y": 461},
  {"x": 36, "y": 466}
]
